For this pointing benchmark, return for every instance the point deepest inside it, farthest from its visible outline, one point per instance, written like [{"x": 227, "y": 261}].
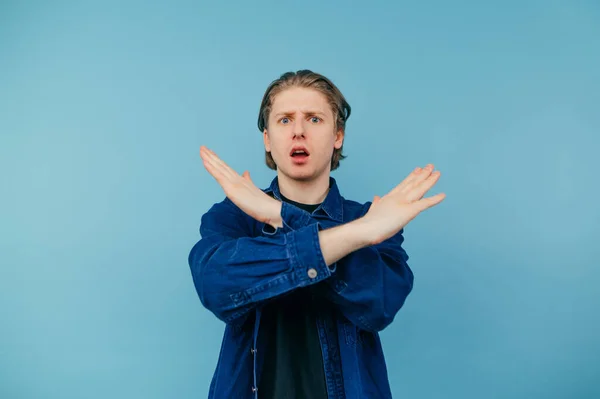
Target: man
[{"x": 303, "y": 278}]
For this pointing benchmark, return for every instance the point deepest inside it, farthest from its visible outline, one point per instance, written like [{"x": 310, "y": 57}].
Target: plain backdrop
[{"x": 104, "y": 105}]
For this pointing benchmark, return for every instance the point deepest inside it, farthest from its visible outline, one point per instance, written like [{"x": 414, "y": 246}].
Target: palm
[{"x": 240, "y": 189}]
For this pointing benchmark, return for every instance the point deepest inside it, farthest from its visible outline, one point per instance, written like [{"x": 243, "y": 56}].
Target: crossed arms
[
  {"x": 233, "y": 272},
  {"x": 362, "y": 261}
]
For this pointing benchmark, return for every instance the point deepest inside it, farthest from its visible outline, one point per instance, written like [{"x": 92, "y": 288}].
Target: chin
[{"x": 301, "y": 174}]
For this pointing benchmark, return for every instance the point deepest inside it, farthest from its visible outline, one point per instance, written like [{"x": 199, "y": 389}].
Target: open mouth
[{"x": 299, "y": 154}]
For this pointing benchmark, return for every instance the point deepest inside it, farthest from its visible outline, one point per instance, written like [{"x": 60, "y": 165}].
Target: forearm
[
  {"x": 335, "y": 242},
  {"x": 339, "y": 241},
  {"x": 233, "y": 270}
]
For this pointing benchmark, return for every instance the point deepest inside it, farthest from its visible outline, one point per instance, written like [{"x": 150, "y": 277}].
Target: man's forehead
[{"x": 302, "y": 100}]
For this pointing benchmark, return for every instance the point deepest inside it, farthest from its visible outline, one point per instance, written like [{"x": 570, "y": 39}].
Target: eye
[
  {"x": 285, "y": 120},
  {"x": 315, "y": 119}
]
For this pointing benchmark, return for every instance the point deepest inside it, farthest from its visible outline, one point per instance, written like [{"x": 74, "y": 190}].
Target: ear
[
  {"x": 266, "y": 141},
  {"x": 339, "y": 139}
]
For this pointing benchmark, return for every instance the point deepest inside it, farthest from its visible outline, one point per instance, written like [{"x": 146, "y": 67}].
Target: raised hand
[
  {"x": 396, "y": 209},
  {"x": 242, "y": 191}
]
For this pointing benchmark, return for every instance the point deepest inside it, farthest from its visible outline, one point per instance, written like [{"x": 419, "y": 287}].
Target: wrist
[
  {"x": 363, "y": 232},
  {"x": 339, "y": 241},
  {"x": 276, "y": 220}
]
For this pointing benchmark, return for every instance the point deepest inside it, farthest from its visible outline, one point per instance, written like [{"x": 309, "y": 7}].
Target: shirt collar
[{"x": 332, "y": 205}]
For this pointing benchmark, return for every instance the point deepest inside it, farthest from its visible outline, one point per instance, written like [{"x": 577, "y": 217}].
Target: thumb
[
  {"x": 426, "y": 203},
  {"x": 246, "y": 175},
  {"x": 376, "y": 199}
]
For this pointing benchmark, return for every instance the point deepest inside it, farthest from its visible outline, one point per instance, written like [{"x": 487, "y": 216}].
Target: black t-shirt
[{"x": 293, "y": 366}]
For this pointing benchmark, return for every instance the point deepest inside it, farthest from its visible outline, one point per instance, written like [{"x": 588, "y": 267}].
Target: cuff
[
  {"x": 293, "y": 219},
  {"x": 306, "y": 256}
]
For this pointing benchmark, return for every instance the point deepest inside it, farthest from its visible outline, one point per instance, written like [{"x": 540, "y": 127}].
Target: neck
[{"x": 304, "y": 191}]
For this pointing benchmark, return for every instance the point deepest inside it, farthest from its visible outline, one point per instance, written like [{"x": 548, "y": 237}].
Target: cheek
[
  {"x": 277, "y": 148},
  {"x": 331, "y": 144},
  {"x": 326, "y": 151}
]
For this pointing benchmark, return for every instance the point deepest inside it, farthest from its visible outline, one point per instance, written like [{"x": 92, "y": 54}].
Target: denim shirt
[{"x": 239, "y": 264}]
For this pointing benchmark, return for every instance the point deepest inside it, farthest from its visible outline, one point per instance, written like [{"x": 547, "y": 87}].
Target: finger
[
  {"x": 426, "y": 203},
  {"x": 208, "y": 155},
  {"x": 418, "y": 190},
  {"x": 218, "y": 163},
  {"x": 215, "y": 172},
  {"x": 206, "y": 152},
  {"x": 408, "y": 180},
  {"x": 212, "y": 165},
  {"x": 246, "y": 176},
  {"x": 421, "y": 176},
  {"x": 412, "y": 176},
  {"x": 376, "y": 199},
  {"x": 203, "y": 152}
]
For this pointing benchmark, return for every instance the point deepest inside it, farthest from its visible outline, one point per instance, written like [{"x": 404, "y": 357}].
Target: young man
[{"x": 303, "y": 278}]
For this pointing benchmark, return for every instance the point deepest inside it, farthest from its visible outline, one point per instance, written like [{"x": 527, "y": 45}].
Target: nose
[{"x": 298, "y": 128}]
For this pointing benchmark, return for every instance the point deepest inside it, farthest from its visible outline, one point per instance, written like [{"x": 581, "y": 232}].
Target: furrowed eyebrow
[{"x": 306, "y": 113}]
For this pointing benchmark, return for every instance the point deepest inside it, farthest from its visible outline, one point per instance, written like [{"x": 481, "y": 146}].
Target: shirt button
[
  {"x": 253, "y": 351},
  {"x": 254, "y": 389},
  {"x": 312, "y": 273}
]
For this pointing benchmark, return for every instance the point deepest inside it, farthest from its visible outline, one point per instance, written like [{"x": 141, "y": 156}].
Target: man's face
[{"x": 301, "y": 133}]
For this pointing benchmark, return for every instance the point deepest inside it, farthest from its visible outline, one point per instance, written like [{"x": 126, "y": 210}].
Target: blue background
[{"x": 103, "y": 107}]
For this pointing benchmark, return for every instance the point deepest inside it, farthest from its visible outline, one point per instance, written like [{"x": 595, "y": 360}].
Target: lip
[{"x": 299, "y": 147}]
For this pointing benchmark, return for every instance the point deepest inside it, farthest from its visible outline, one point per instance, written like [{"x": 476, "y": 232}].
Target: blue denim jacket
[{"x": 239, "y": 264}]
